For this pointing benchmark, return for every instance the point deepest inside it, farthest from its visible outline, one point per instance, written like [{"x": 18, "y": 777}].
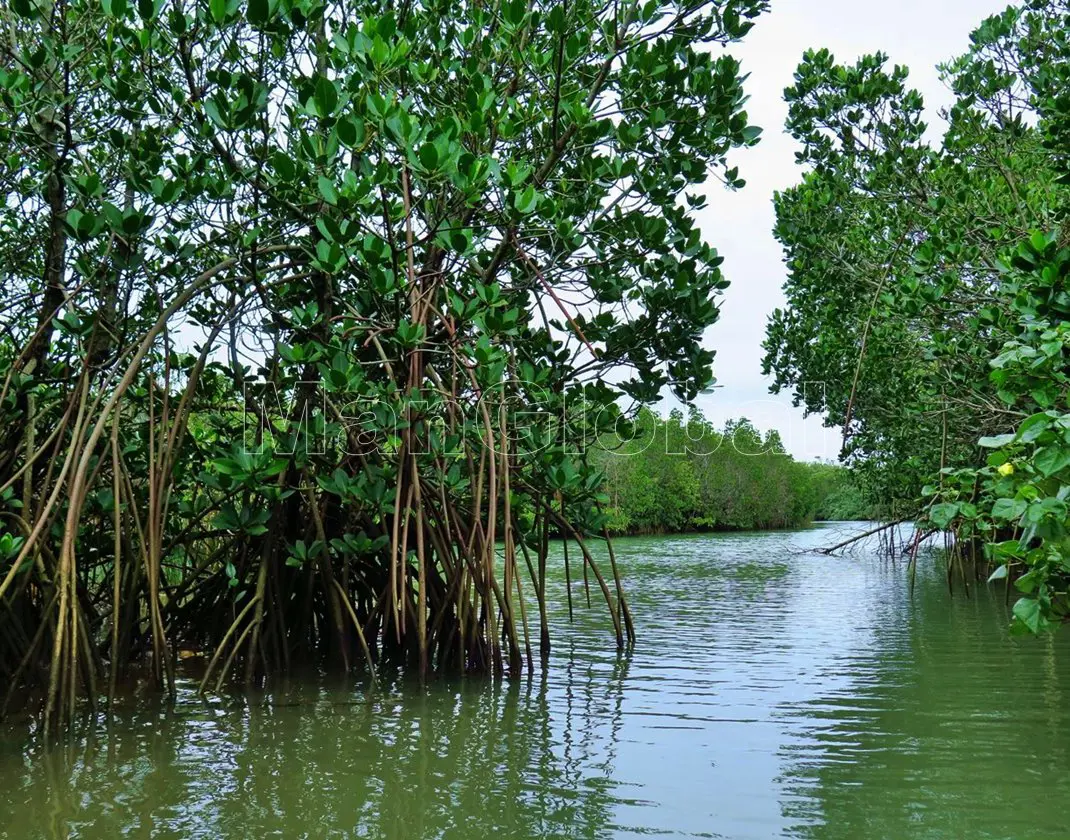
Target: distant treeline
[{"x": 683, "y": 474}]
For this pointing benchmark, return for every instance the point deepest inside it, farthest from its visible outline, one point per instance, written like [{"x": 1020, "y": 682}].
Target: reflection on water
[{"x": 773, "y": 693}]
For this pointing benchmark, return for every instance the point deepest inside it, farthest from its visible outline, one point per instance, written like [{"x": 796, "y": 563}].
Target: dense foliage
[
  {"x": 677, "y": 474},
  {"x": 284, "y": 281},
  {"x": 928, "y": 292}
]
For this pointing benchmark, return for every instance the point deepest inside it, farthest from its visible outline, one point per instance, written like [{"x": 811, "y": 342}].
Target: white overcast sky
[{"x": 917, "y": 33}]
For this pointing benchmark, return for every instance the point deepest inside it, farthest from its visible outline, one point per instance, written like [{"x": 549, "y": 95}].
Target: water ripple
[{"x": 772, "y": 693}]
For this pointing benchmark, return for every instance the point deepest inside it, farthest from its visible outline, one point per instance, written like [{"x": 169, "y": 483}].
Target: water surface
[{"x": 774, "y": 692}]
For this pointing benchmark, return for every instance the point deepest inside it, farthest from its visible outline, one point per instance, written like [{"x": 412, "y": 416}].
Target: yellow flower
[{"x": 1006, "y": 469}]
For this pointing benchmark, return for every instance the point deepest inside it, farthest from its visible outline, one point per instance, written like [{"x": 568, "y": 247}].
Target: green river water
[{"x": 773, "y": 693}]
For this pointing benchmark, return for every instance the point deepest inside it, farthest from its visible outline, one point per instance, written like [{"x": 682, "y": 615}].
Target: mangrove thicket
[
  {"x": 680, "y": 474},
  {"x": 283, "y": 283},
  {"x": 929, "y": 290}
]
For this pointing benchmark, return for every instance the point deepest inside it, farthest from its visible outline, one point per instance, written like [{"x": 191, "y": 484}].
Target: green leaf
[
  {"x": 555, "y": 21},
  {"x": 1009, "y": 509},
  {"x": 350, "y": 133},
  {"x": 429, "y": 156},
  {"x": 996, "y": 441},
  {"x": 218, "y": 9},
  {"x": 751, "y": 133},
  {"x": 1052, "y": 459},
  {"x": 259, "y": 12},
  {"x": 211, "y": 108},
  {"x": 113, "y": 8},
  {"x": 999, "y": 574},
  {"x": 525, "y": 201},
  {"x": 1039, "y": 241},
  {"x": 942, "y": 514},
  {"x": 997, "y": 458},
  {"x": 284, "y": 166},
  {"x": 1033, "y": 427},
  {"x": 461, "y": 240},
  {"x": 74, "y": 218},
  {"x": 514, "y": 11},
  {"x": 328, "y": 190},
  {"x": 1027, "y": 611},
  {"x": 326, "y": 96}
]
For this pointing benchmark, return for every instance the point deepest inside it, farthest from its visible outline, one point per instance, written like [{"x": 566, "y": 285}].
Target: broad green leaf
[
  {"x": 1009, "y": 509},
  {"x": 1052, "y": 459},
  {"x": 211, "y": 108},
  {"x": 350, "y": 132},
  {"x": 1033, "y": 427},
  {"x": 114, "y": 8},
  {"x": 284, "y": 166},
  {"x": 525, "y": 201},
  {"x": 1027, "y": 611},
  {"x": 942, "y": 514},
  {"x": 327, "y": 190},
  {"x": 259, "y": 12},
  {"x": 326, "y": 96},
  {"x": 429, "y": 156},
  {"x": 513, "y": 11}
]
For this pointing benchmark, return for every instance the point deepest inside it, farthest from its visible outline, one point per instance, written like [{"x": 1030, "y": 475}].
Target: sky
[{"x": 917, "y": 33}]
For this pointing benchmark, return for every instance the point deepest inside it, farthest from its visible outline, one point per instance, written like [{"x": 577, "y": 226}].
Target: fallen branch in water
[
  {"x": 918, "y": 538},
  {"x": 862, "y": 536}
]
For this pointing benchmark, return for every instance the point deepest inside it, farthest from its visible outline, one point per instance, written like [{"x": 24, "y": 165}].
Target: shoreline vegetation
[
  {"x": 943, "y": 343},
  {"x": 683, "y": 475}
]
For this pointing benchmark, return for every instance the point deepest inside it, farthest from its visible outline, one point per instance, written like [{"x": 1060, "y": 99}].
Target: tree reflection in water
[{"x": 455, "y": 759}]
